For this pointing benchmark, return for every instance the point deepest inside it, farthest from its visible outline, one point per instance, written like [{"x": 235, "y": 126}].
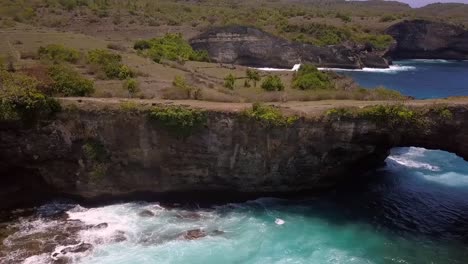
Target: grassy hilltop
[{"x": 139, "y": 49}]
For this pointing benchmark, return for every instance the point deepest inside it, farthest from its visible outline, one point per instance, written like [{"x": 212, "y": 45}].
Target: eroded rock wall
[
  {"x": 93, "y": 153},
  {"x": 254, "y": 47},
  {"x": 421, "y": 39}
]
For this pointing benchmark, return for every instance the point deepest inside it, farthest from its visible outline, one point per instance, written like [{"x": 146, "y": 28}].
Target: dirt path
[{"x": 303, "y": 108}]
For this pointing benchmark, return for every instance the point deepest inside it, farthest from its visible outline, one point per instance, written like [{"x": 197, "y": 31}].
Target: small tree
[
  {"x": 180, "y": 83},
  {"x": 229, "y": 81},
  {"x": 131, "y": 85},
  {"x": 272, "y": 83},
  {"x": 253, "y": 75}
]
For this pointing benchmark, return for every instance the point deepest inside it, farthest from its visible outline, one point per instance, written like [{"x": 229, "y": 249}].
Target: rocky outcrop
[
  {"x": 254, "y": 47},
  {"x": 421, "y": 39},
  {"x": 98, "y": 153}
]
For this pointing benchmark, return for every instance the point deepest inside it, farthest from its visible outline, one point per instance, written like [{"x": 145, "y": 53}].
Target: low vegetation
[
  {"x": 393, "y": 116},
  {"x": 268, "y": 115},
  {"x": 109, "y": 65},
  {"x": 308, "y": 77},
  {"x": 171, "y": 47},
  {"x": 97, "y": 158},
  {"x": 272, "y": 83},
  {"x": 20, "y": 98},
  {"x": 324, "y": 35},
  {"x": 252, "y": 76},
  {"x": 58, "y": 54},
  {"x": 131, "y": 86},
  {"x": 229, "y": 81},
  {"x": 68, "y": 82},
  {"x": 178, "y": 120}
]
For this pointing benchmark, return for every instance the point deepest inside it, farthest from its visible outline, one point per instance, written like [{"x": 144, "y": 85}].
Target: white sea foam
[
  {"x": 450, "y": 178},
  {"x": 392, "y": 69},
  {"x": 294, "y": 68},
  {"x": 409, "y": 163},
  {"x": 432, "y": 60}
]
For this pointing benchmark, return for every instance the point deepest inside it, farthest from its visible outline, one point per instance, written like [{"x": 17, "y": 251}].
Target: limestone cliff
[
  {"x": 254, "y": 47},
  {"x": 90, "y": 153},
  {"x": 421, "y": 39}
]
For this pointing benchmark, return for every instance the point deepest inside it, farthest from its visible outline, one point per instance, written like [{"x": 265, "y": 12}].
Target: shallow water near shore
[
  {"x": 421, "y": 79},
  {"x": 414, "y": 210}
]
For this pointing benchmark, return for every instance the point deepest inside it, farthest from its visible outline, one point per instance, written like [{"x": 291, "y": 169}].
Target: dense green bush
[
  {"x": 272, "y": 83},
  {"x": 170, "y": 47},
  {"x": 268, "y": 115},
  {"x": 308, "y": 77},
  {"x": 110, "y": 63},
  {"x": 178, "y": 120},
  {"x": 58, "y": 53},
  {"x": 20, "y": 98},
  {"x": 68, "y": 82}
]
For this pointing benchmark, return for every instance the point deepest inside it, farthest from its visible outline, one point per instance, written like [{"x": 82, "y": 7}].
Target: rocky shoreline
[{"x": 414, "y": 39}]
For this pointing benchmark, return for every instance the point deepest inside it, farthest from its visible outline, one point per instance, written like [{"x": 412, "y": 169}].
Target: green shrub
[
  {"x": 318, "y": 34},
  {"x": 103, "y": 57},
  {"x": 131, "y": 85},
  {"x": 394, "y": 116},
  {"x": 308, "y": 77},
  {"x": 383, "y": 93},
  {"x": 253, "y": 75},
  {"x": 170, "y": 47},
  {"x": 268, "y": 115},
  {"x": 94, "y": 150},
  {"x": 128, "y": 106},
  {"x": 229, "y": 81},
  {"x": 58, "y": 53},
  {"x": 178, "y": 120},
  {"x": 380, "y": 42},
  {"x": 345, "y": 18},
  {"x": 142, "y": 45},
  {"x": 387, "y": 18},
  {"x": 110, "y": 64},
  {"x": 272, "y": 83},
  {"x": 21, "y": 100},
  {"x": 68, "y": 82}
]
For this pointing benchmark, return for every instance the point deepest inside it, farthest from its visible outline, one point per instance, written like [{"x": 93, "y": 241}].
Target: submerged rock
[
  {"x": 194, "y": 234},
  {"x": 146, "y": 213},
  {"x": 99, "y": 226}
]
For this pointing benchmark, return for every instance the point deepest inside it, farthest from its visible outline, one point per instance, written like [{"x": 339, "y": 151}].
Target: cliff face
[
  {"x": 253, "y": 47},
  {"x": 90, "y": 154},
  {"x": 420, "y": 39}
]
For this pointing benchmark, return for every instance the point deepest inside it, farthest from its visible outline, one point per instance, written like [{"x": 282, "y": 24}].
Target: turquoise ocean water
[{"x": 413, "y": 210}]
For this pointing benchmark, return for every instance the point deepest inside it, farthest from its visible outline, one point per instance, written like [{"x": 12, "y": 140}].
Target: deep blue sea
[{"x": 421, "y": 79}]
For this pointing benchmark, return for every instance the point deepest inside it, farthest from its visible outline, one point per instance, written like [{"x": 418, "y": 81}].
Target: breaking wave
[{"x": 392, "y": 69}]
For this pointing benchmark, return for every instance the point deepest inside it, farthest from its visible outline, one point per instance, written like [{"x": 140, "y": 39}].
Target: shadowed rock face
[
  {"x": 420, "y": 39},
  {"x": 253, "y": 47},
  {"x": 229, "y": 154}
]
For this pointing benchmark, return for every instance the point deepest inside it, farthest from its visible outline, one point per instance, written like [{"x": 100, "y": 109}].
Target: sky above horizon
[{"x": 419, "y": 3}]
